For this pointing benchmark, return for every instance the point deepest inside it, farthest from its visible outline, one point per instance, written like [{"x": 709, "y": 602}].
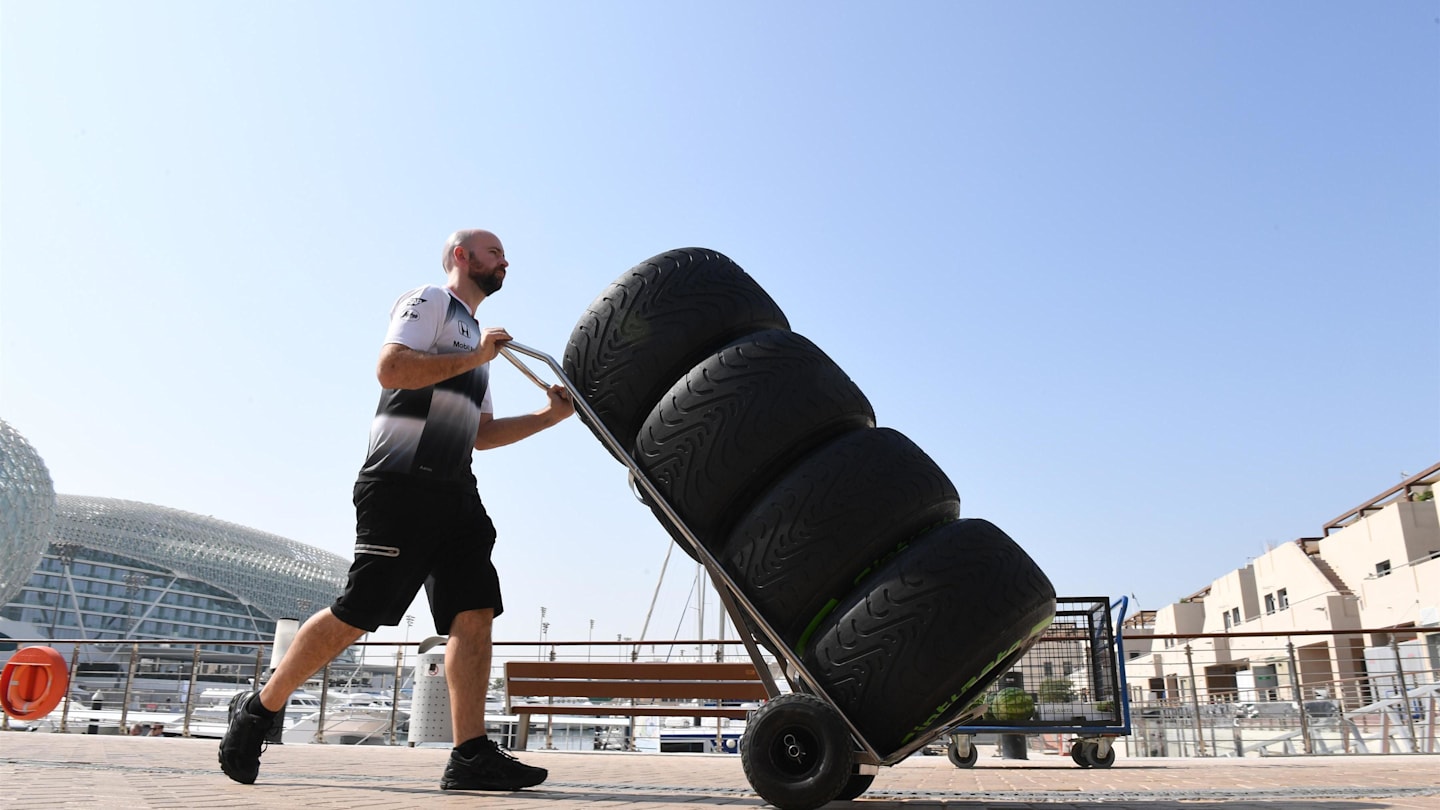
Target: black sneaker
[
  {"x": 244, "y": 740},
  {"x": 493, "y": 768}
]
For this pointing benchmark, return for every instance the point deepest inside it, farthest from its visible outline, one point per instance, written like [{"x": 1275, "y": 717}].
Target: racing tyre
[
  {"x": 858, "y": 784},
  {"x": 829, "y": 520},
  {"x": 968, "y": 761},
  {"x": 737, "y": 420},
  {"x": 796, "y": 752},
  {"x": 653, "y": 324},
  {"x": 912, "y": 648}
]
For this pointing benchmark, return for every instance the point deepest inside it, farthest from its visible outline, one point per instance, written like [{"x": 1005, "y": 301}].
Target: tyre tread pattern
[
  {"x": 737, "y": 420},
  {"x": 896, "y": 657},
  {"x": 653, "y": 324},
  {"x": 829, "y": 519}
]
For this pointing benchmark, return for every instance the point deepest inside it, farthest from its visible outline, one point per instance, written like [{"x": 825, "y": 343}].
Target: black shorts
[{"x": 413, "y": 533}]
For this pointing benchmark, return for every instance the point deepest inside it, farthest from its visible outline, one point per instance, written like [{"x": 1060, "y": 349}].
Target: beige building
[{"x": 1330, "y": 616}]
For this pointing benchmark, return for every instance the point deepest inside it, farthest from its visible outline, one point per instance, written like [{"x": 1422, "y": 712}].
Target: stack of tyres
[{"x": 844, "y": 536}]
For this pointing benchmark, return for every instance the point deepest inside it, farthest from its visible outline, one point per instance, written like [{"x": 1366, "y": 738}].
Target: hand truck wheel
[{"x": 797, "y": 752}]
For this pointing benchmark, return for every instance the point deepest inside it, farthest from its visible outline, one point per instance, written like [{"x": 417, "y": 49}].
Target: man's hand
[
  {"x": 492, "y": 339},
  {"x": 561, "y": 405}
]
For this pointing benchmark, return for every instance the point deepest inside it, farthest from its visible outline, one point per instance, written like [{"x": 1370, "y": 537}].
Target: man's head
[{"x": 476, "y": 256}]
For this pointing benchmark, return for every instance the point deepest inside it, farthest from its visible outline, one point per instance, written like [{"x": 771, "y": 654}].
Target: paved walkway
[{"x": 75, "y": 770}]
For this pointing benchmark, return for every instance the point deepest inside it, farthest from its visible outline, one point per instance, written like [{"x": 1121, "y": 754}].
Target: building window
[
  {"x": 1283, "y": 598},
  {"x": 1235, "y": 617},
  {"x": 1269, "y": 603},
  {"x": 1227, "y": 619},
  {"x": 1382, "y": 568}
]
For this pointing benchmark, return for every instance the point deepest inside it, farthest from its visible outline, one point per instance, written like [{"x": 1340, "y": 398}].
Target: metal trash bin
[{"x": 430, "y": 702}]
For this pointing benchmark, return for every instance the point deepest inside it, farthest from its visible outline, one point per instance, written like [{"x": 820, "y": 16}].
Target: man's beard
[{"x": 487, "y": 280}]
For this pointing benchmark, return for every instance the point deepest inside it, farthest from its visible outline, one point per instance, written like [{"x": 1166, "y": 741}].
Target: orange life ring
[{"x": 33, "y": 682}]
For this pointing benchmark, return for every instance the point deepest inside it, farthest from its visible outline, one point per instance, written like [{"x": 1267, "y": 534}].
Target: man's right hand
[{"x": 492, "y": 339}]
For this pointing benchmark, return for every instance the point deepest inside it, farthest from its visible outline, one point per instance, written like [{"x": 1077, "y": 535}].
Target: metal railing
[
  {"x": 1302, "y": 692},
  {"x": 1232, "y": 694},
  {"x": 167, "y": 687}
]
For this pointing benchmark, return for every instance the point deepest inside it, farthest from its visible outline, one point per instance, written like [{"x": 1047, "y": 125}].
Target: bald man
[{"x": 419, "y": 519}]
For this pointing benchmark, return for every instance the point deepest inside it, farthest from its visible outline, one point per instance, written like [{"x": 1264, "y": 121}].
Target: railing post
[
  {"x": 1404, "y": 695},
  {"x": 129, "y": 680},
  {"x": 395, "y": 693},
  {"x": 324, "y": 698},
  {"x": 190, "y": 692},
  {"x": 1195, "y": 704},
  {"x": 74, "y": 670},
  {"x": 259, "y": 665},
  {"x": 1299, "y": 696}
]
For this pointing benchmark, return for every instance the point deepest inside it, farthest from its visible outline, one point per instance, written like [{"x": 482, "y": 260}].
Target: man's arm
[
  {"x": 500, "y": 432},
  {"x": 403, "y": 367}
]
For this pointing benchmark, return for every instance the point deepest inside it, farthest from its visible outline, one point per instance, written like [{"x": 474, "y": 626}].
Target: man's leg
[
  {"x": 467, "y": 672},
  {"x": 477, "y": 763},
  {"x": 320, "y": 639}
]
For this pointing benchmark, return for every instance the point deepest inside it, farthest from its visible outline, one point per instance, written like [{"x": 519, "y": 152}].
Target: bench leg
[{"x": 522, "y": 732}]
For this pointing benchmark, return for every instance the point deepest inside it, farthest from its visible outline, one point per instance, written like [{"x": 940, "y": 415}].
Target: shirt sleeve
[{"x": 416, "y": 318}]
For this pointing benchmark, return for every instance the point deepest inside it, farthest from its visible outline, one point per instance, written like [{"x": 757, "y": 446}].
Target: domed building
[
  {"x": 27, "y": 510},
  {"x": 76, "y": 568}
]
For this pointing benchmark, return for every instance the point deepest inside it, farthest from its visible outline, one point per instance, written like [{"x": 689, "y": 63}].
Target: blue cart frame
[{"x": 1083, "y": 640}]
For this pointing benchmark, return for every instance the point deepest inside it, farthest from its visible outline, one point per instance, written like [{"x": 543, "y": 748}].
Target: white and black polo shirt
[{"x": 430, "y": 432}]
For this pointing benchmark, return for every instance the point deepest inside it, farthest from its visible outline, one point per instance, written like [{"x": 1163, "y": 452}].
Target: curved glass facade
[
  {"x": 121, "y": 570},
  {"x": 102, "y": 569},
  {"x": 27, "y": 510}
]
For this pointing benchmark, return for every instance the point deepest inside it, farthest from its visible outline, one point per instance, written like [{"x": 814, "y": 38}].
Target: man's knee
[{"x": 473, "y": 624}]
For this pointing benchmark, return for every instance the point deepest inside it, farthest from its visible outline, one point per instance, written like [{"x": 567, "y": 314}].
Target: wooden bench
[{"x": 629, "y": 689}]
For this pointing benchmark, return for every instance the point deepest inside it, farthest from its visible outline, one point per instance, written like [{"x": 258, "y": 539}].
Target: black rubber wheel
[
  {"x": 796, "y": 752},
  {"x": 1078, "y": 754},
  {"x": 829, "y": 520},
  {"x": 737, "y": 420},
  {"x": 968, "y": 761},
  {"x": 924, "y": 636},
  {"x": 653, "y": 324},
  {"x": 858, "y": 784},
  {"x": 1092, "y": 756}
]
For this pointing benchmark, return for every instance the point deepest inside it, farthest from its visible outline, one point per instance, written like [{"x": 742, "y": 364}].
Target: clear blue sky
[{"x": 1156, "y": 284}]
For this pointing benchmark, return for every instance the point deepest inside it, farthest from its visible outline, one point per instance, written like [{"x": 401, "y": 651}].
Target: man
[{"x": 419, "y": 519}]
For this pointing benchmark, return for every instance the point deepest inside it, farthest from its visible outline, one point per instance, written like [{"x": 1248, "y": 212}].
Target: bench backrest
[{"x": 647, "y": 681}]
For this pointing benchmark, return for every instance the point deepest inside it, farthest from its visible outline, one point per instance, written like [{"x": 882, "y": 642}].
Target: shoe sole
[{"x": 493, "y": 788}]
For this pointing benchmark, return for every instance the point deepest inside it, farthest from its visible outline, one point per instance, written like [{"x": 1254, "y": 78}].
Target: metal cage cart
[
  {"x": 810, "y": 753},
  {"x": 1070, "y": 683}
]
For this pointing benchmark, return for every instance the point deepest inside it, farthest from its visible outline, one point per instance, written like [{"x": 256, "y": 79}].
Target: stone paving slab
[{"x": 75, "y": 770}]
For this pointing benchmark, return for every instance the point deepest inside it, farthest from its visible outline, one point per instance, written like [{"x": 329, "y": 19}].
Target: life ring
[{"x": 33, "y": 682}]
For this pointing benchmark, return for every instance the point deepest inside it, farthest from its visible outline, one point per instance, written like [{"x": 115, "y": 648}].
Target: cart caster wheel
[
  {"x": 1092, "y": 755},
  {"x": 953, "y": 751},
  {"x": 796, "y": 753},
  {"x": 1080, "y": 752},
  {"x": 859, "y": 783}
]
